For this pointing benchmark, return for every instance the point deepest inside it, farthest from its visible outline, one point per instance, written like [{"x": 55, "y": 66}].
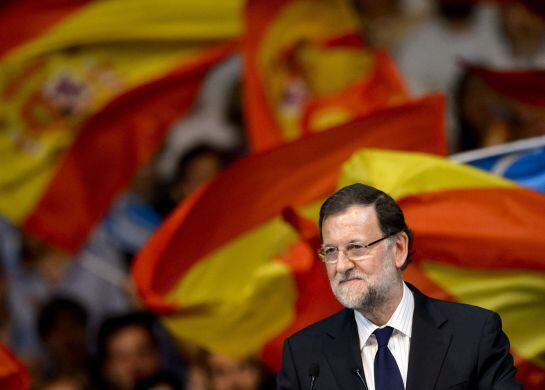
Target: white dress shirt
[{"x": 399, "y": 343}]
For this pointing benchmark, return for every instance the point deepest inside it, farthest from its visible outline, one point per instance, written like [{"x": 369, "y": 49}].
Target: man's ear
[{"x": 401, "y": 249}]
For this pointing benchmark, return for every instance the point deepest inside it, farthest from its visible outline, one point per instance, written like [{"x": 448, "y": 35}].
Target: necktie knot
[{"x": 383, "y": 335}]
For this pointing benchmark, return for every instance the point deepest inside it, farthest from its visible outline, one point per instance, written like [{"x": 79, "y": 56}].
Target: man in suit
[{"x": 389, "y": 336}]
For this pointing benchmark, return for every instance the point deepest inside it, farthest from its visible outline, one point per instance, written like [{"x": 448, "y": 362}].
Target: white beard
[{"x": 361, "y": 295}]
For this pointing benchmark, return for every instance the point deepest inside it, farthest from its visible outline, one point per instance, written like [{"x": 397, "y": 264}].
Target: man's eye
[
  {"x": 330, "y": 251},
  {"x": 355, "y": 246}
]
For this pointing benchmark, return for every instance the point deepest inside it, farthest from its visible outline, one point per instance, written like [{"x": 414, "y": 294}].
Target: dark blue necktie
[{"x": 387, "y": 375}]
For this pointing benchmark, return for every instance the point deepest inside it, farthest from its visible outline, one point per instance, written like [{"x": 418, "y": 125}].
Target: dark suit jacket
[{"x": 453, "y": 346}]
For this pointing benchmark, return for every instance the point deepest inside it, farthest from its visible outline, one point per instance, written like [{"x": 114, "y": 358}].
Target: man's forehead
[
  {"x": 359, "y": 211},
  {"x": 355, "y": 215}
]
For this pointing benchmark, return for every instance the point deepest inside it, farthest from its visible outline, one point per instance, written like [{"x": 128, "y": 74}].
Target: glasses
[{"x": 354, "y": 251}]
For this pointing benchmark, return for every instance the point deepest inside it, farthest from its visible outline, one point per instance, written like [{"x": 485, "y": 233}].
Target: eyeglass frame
[{"x": 322, "y": 256}]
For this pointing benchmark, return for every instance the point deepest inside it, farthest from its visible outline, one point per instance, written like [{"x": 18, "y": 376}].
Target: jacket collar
[
  {"x": 341, "y": 349},
  {"x": 430, "y": 342}
]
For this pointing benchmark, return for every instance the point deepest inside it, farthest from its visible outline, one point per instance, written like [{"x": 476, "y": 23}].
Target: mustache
[{"x": 350, "y": 274}]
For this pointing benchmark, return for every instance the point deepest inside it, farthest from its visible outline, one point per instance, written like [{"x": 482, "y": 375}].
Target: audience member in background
[
  {"x": 385, "y": 23},
  {"x": 128, "y": 351},
  {"x": 487, "y": 118},
  {"x": 481, "y": 120},
  {"x": 430, "y": 56},
  {"x": 93, "y": 277},
  {"x": 136, "y": 214},
  {"x": 62, "y": 326},
  {"x": 228, "y": 373},
  {"x": 215, "y": 118},
  {"x": 197, "y": 166},
  {"x": 523, "y": 33},
  {"x": 132, "y": 220},
  {"x": 39, "y": 272}
]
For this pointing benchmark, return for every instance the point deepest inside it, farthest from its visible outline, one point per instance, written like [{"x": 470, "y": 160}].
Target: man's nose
[{"x": 344, "y": 263}]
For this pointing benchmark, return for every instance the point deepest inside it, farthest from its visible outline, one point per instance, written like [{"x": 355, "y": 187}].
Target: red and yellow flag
[
  {"x": 228, "y": 256},
  {"x": 292, "y": 50},
  {"x": 478, "y": 240},
  {"x": 88, "y": 97},
  {"x": 13, "y": 374},
  {"x": 381, "y": 88}
]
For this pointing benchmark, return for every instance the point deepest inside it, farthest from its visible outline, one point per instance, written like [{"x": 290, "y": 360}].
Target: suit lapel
[
  {"x": 430, "y": 341},
  {"x": 341, "y": 349}
]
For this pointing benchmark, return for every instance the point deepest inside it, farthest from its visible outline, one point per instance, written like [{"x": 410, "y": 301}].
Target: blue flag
[{"x": 521, "y": 161}]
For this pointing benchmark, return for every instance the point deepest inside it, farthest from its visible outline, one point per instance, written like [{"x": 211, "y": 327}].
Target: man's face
[
  {"x": 369, "y": 282},
  {"x": 132, "y": 355}
]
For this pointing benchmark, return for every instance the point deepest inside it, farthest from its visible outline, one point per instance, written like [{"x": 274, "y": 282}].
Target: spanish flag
[
  {"x": 87, "y": 93},
  {"x": 478, "y": 241},
  {"x": 237, "y": 250},
  {"x": 382, "y": 87},
  {"x": 307, "y": 68}
]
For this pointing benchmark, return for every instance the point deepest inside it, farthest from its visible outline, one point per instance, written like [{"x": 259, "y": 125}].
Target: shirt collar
[{"x": 401, "y": 320}]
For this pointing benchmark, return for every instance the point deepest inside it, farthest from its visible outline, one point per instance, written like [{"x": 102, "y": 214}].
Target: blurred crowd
[
  {"x": 76, "y": 321},
  {"x": 434, "y": 42}
]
